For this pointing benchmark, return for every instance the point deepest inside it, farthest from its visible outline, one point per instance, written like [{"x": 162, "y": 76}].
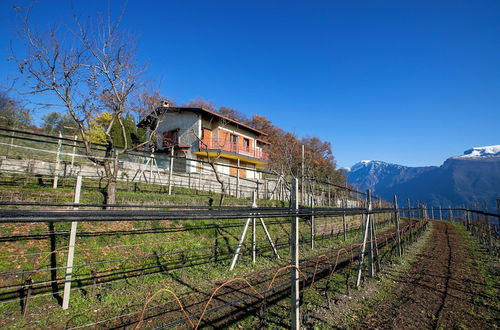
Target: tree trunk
[
  {"x": 111, "y": 172},
  {"x": 221, "y": 182},
  {"x": 222, "y": 195},
  {"x": 111, "y": 192}
]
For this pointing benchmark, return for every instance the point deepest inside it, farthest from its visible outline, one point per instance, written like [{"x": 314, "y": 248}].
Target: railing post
[
  {"x": 398, "y": 233},
  {"x": 294, "y": 252},
  {"x": 440, "y": 213},
  {"x": 71, "y": 248},
  {"x": 450, "y": 214}
]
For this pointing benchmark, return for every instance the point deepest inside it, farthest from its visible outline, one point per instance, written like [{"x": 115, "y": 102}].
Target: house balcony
[{"x": 233, "y": 148}]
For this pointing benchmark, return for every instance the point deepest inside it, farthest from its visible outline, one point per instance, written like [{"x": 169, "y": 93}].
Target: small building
[{"x": 198, "y": 134}]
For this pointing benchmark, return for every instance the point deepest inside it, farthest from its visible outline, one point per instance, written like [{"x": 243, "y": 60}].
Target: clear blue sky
[{"x": 410, "y": 82}]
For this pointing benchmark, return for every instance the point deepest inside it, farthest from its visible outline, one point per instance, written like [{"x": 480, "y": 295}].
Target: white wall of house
[
  {"x": 223, "y": 169},
  {"x": 250, "y": 172},
  {"x": 188, "y": 123}
]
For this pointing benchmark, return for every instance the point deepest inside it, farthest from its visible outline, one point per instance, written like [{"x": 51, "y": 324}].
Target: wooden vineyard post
[
  {"x": 344, "y": 205},
  {"x": 73, "y": 155},
  {"x": 58, "y": 162},
  {"x": 409, "y": 218},
  {"x": 240, "y": 243},
  {"x": 71, "y": 248},
  {"x": 238, "y": 181},
  {"x": 294, "y": 252},
  {"x": 363, "y": 245},
  {"x": 312, "y": 222},
  {"x": 254, "y": 242},
  {"x": 467, "y": 215},
  {"x": 302, "y": 178},
  {"x": 398, "y": 233},
  {"x": 371, "y": 256},
  {"x": 252, "y": 218},
  {"x": 440, "y": 213},
  {"x": 376, "y": 254},
  {"x": 171, "y": 170}
]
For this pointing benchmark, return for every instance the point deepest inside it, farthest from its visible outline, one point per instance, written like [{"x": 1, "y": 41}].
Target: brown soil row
[{"x": 440, "y": 291}]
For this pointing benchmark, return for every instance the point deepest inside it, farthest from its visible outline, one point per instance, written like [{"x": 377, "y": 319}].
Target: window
[
  {"x": 171, "y": 138},
  {"x": 246, "y": 144},
  {"x": 234, "y": 139}
]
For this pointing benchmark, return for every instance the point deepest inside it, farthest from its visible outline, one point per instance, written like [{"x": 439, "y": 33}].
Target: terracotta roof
[{"x": 150, "y": 119}]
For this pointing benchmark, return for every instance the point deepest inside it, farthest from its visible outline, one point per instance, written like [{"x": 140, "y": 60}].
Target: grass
[
  {"x": 156, "y": 243},
  {"x": 483, "y": 263},
  {"x": 15, "y": 188}
]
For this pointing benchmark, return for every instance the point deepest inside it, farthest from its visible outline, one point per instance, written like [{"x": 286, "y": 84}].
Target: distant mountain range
[{"x": 466, "y": 179}]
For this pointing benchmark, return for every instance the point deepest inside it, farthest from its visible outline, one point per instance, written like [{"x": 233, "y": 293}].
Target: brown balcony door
[
  {"x": 234, "y": 143},
  {"x": 246, "y": 145}
]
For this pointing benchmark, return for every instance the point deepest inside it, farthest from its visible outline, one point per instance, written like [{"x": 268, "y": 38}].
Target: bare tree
[
  {"x": 201, "y": 103},
  {"x": 146, "y": 101},
  {"x": 92, "y": 69}
]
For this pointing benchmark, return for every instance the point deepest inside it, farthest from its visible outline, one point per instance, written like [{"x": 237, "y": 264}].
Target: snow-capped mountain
[
  {"x": 370, "y": 174},
  {"x": 488, "y": 151},
  {"x": 471, "y": 177}
]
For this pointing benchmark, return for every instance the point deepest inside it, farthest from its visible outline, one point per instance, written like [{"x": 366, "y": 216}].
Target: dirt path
[{"x": 441, "y": 290}]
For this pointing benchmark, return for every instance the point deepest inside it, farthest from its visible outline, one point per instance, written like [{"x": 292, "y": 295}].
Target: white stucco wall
[{"x": 188, "y": 123}]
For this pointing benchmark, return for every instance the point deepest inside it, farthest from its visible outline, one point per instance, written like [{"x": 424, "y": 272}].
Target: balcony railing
[{"x": 241, "y": 149}]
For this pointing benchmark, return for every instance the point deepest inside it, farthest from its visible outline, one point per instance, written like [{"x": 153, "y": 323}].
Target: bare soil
[{"x": 442, "y": 290}]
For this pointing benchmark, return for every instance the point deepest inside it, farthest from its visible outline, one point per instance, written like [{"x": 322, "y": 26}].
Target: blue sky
[{"x": 410, "y": 82}]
